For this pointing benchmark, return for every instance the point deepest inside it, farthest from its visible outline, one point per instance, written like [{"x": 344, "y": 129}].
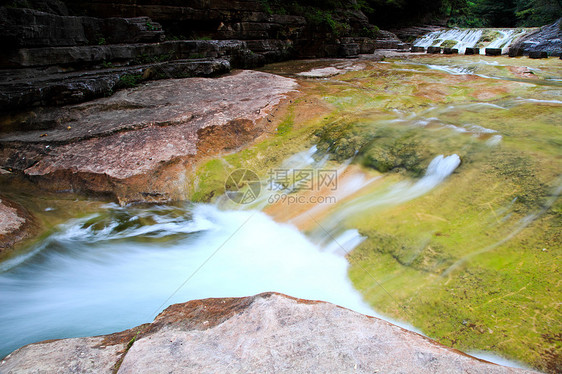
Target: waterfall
[{"x": 469, "y": 38}]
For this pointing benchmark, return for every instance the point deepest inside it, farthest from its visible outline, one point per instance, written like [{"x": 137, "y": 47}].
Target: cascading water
[
  {"x": 469, "y": 38},
  {"x": 118, "y": 268}
]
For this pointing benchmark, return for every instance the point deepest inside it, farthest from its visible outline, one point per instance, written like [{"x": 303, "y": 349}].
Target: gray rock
[
  {"x": 435, "y": 50},
  {"x": 79, "y": 355},
  {"x": 417, "y": 49},
  {"x": 31, "y": 88},
  {"x": 547, "y": 39},
  {"x": 24, "y": 28},
  {"x": 450, "y": 51},
  {"x": 267, "y": 333},
  {"x": 140, "y": 53}
]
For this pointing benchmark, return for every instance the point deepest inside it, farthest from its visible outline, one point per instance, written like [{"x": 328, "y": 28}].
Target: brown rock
[
  {"x": 268, "y": 333},
  {"x": 137, "y": 143},
  {"x": 15, "y": 223}
]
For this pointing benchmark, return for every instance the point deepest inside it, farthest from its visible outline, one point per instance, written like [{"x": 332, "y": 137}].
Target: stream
[{"x": 121, "y": 266}]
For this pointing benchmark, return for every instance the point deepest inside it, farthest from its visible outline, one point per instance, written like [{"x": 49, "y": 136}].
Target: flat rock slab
[
  {"x": 266, "y": 333},
  {"x": 99, "y": 145},
  {"x": 338, "y": 68}
]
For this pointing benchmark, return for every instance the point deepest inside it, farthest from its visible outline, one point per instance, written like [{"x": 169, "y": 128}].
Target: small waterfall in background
[{"x": 470, "y": 38}]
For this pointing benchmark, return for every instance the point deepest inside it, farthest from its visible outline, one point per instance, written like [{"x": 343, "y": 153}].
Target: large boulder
[
  {"x": 266, "y": 333},
  {"x": 547, "y": 39},
  {"x": 137, "y": 144}
]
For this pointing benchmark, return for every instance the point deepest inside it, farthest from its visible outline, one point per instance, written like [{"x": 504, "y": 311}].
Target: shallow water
[{"x": 118, "y": 268}]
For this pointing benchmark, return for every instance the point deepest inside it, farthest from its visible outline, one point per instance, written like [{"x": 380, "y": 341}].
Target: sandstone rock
[
  {"x": 433, "y": 49},
  {"x": 387, "y": 40},
  {"x": 450, "y": 51},
  {"x": 79, "y": 355},
  {"x": 267, "y": 333},
  {"x": 493, "y": 51},
  {"x": 15, "y": 223},
  {"x": 123, "y": 53},
  {"x": 137, "y": 144},
  {"x": 417, "y": 49},
  {"x": 34, "y": 88},
  {"x": 409, "y": 34}
]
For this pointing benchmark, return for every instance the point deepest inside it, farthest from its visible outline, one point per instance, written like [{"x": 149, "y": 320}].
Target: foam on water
[{"x": 92, "y": 278}]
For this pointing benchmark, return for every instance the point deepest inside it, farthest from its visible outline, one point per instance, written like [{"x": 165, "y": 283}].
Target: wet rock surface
[
  {"x": 268, "y": 332},
  {"x": 136, "y": 144},
  {"x": 33, "y": 88},
  {"x": 15, "y": 223},
  {"x": 547, "y": 39}
]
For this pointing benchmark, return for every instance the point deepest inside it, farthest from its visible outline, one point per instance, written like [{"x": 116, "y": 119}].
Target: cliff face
[
  {"x": 53, "y": 58},
  {"x": 267, "y": 333}
]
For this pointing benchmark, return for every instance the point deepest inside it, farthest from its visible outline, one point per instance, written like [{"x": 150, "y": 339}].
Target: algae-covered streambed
[{"x": 433, "y": 197}]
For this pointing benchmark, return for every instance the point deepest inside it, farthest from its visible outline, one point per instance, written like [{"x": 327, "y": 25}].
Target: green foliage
[
  {"x": 324, "y": 14},
  {"x": 129, "y": 80},
  {"x": 102, "y": 41},
  {"x": 449, "y": 43},
  {"x": 147, "y": 59},
  {"x": 487, "y": 37},
  {"x": 372, "y": 32},
  {"x": 501, "y": 13}
]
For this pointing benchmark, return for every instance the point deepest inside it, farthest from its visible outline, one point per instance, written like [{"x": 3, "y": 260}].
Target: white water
[
  {"x": 99, "y": 276},
  {"x": 119, "y": 268},
  {"x": 469, "y": 38},
  {"x": 438, "y": 170}
]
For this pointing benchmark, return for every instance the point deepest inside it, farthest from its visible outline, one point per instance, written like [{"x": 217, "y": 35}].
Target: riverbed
[{"x": 439, "y": 209}]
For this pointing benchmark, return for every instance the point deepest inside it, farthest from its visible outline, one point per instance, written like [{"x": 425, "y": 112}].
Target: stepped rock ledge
[
  {"x": 266, "y": 333},
  {"x": 137, "y": 144}
]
